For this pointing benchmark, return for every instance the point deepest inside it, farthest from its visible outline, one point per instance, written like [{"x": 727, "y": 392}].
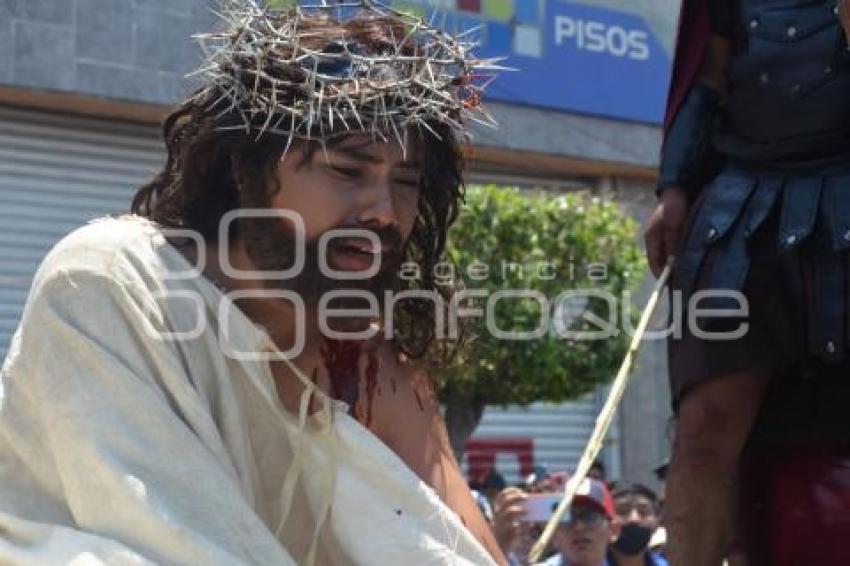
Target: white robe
[{"x": 119, "y": 447}]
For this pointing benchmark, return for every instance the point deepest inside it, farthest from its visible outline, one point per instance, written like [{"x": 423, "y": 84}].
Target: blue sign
[{"x": 568, "y": 56}]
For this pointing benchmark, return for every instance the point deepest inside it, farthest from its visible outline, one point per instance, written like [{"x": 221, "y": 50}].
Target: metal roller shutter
[
  {"x": 555, "y": 433},
  {"x": 56, "y": 173}
]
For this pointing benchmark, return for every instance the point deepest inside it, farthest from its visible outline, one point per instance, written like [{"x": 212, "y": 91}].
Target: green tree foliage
[{"x": 562, "y": 242}]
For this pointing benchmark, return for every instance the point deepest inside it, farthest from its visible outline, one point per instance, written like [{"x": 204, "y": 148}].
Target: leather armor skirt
[{"x": 781, "y": 241}]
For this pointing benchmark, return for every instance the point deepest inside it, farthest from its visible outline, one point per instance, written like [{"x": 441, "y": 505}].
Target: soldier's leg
[{"x": 714, "y": 422}]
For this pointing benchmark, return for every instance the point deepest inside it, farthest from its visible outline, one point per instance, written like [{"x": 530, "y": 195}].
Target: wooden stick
[{"x": 604, "y": 420}]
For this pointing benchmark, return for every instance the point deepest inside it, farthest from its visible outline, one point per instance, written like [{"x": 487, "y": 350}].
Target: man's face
[
  {"x": 635, "y": 509},
  {"x": 584, "y": 540},
  {"x": 359, "y": 183}
]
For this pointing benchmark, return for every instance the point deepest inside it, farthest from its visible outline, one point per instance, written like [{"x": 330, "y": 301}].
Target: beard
[{"x": 271, "y": 246}]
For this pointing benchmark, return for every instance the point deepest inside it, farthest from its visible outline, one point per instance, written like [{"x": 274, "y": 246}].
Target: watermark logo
[{"x": 574, "y": 315}]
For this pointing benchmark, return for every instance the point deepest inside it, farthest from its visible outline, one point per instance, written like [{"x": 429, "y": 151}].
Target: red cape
[{"x": 691, "y": 45}]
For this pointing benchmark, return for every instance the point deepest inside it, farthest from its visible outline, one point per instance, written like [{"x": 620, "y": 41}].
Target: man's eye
[
  {"x": 347, "y": 172},
  {"x": 408, "y": 183}
]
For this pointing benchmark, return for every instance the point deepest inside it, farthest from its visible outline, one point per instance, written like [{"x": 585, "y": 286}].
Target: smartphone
[{"x": 539, "y": 507}]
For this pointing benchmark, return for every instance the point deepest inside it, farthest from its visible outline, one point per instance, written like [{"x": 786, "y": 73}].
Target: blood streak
[
  {"x": 371, "y": 383},
  {"x": 342, "y": 359},
  {"x": 423, "y": 390},
  {"x": 392, "y": 382},
  {"x": 419, "y": 400}
]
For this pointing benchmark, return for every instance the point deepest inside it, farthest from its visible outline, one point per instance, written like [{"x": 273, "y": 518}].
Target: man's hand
[
  {"x": 844, "y": 16},
  {"x": 664, "y": 228},
  {"x": 508, "y": 510}
]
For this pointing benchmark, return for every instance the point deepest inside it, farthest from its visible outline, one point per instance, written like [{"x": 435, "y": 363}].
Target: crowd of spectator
[{"x": 607, "y": 524}]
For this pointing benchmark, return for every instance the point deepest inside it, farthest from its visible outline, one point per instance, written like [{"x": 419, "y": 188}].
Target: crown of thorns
[{"x": 265, "y": 66}]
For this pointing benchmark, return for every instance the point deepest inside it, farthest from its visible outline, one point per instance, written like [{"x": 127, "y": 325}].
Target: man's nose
[
  {"x": 379, "y": 208},
  {"x": 581, "y": 526}
]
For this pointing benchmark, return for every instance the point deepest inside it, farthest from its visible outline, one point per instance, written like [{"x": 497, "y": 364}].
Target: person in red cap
[{"x": 585, "y": 532}]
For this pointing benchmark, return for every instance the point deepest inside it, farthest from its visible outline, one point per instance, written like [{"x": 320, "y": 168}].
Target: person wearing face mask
[{"x": 635, "y": 519}]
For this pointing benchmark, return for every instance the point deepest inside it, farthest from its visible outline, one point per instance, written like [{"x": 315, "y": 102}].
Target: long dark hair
[{"x": 209, "y": 156}]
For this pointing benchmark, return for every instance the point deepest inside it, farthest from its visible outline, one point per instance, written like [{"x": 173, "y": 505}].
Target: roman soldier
[{"x": 754, "y": 204}]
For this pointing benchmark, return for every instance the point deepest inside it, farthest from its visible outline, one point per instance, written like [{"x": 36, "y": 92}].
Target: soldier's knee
[{"x": 710, "y": 432}]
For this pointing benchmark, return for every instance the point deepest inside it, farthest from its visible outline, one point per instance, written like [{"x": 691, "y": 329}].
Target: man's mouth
[
  {"x": 582, "y": 542},
  {"x": 358, "y": 255}
]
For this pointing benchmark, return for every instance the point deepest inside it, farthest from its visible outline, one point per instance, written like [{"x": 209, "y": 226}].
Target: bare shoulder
[
  {"x": 401, "y": 398},
  {"x": 411, "y": 376}
]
